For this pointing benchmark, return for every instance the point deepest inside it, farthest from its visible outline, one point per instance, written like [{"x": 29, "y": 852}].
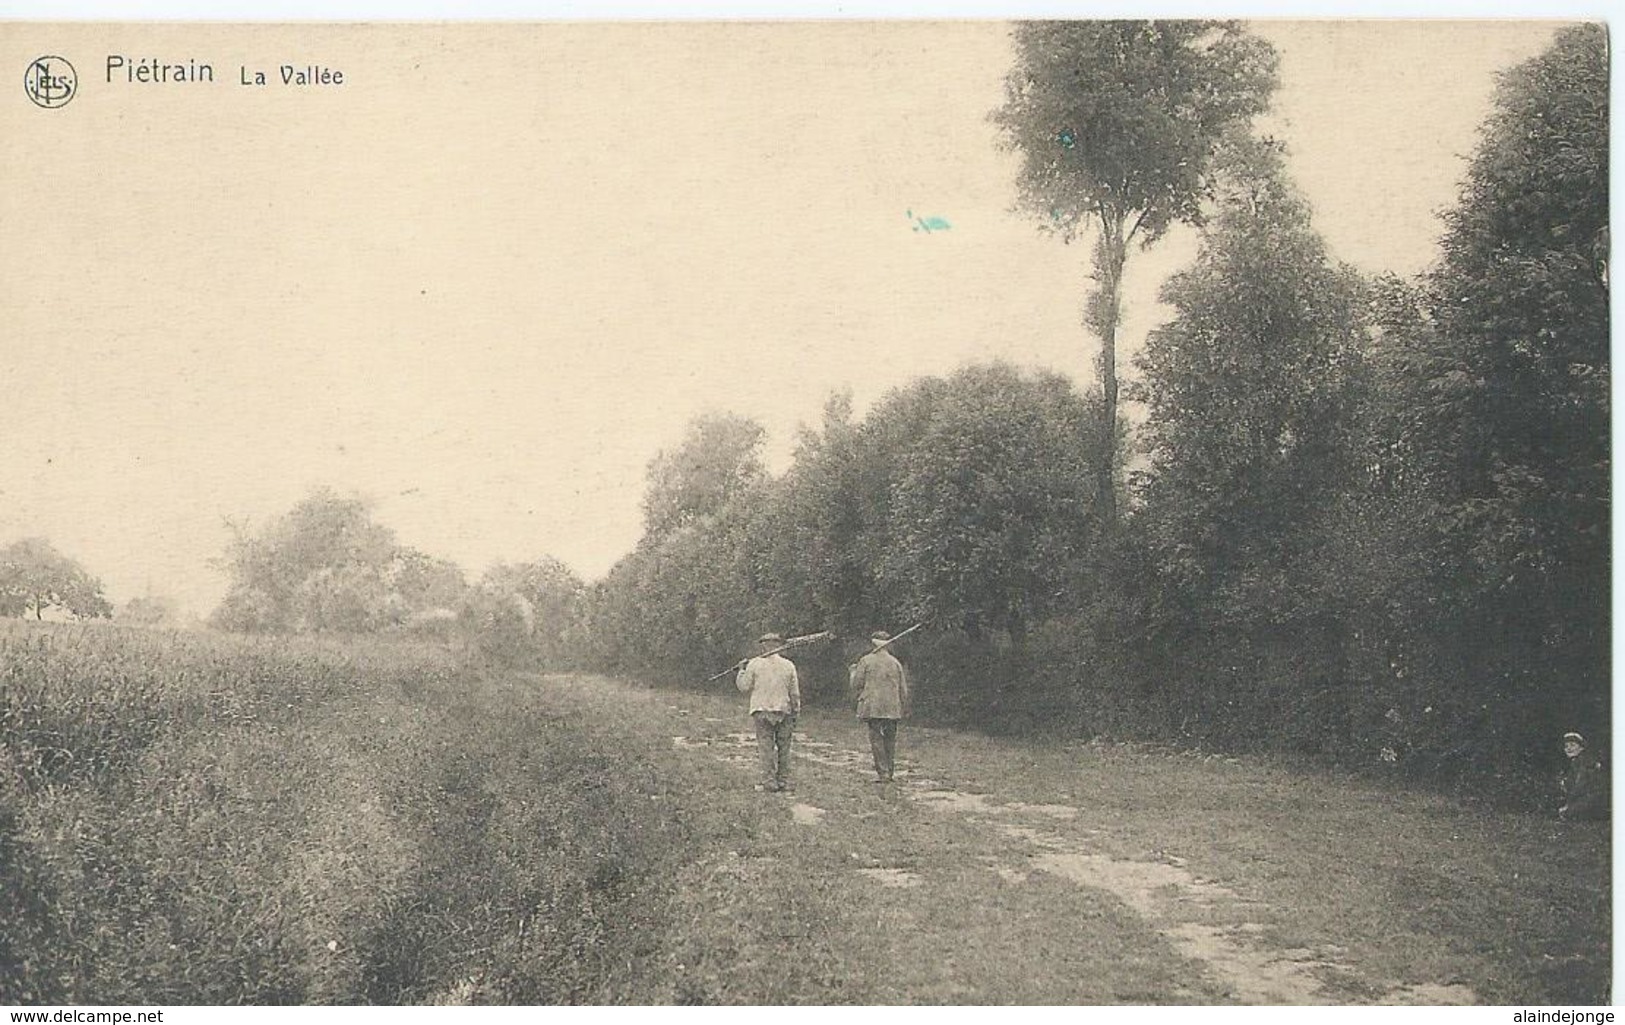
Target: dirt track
[{"x": 1216, "y": 926}]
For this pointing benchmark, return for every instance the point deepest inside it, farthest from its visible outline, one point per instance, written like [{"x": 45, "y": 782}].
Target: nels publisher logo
[{"x": 50, "y": 81}]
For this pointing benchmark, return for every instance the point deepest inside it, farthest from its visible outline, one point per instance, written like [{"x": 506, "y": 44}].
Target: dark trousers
[
  {"x": 883, "y": 745},
  {"x": 773, "y": 733}
]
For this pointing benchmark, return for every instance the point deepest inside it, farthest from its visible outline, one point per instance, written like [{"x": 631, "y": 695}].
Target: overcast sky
[{"x": 488, "y": 277}]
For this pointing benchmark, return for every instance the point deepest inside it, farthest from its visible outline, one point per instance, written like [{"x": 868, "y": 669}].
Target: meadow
[{"x": 206, "y": 819}]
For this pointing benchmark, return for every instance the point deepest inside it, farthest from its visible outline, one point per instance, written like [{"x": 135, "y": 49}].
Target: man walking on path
[
  {"x": 775, "y": 699},
  {"x": 882, "y": 688}
]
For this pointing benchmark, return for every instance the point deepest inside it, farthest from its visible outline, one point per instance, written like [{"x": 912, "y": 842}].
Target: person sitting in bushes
[{"x": 1584, "y": 785}]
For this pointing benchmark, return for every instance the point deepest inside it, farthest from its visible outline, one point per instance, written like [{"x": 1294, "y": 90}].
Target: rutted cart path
[{"x": 1223, "y": 930}]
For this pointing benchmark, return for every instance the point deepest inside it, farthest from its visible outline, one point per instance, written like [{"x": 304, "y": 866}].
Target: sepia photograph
[{"x": 761, "y": 512}]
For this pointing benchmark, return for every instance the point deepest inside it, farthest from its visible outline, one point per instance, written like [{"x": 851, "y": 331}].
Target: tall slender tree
[{"x": 1118, "y": 123}]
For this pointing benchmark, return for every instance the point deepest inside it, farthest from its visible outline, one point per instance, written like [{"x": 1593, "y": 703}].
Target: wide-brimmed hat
[
  {"x": 770, "y": 638},
  {"x": 880, "y": 636}
]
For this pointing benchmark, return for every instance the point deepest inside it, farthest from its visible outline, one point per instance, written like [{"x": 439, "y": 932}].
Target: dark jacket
[{"x": 1585, "y": 789}]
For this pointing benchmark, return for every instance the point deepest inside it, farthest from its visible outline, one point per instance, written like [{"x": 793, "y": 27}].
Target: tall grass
[{"x": 203, "y": 819}]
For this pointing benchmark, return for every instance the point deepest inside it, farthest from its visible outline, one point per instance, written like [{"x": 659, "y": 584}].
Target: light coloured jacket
[
  {"x": 771, "y": 683},
  {"x": 881, "y": 684}
]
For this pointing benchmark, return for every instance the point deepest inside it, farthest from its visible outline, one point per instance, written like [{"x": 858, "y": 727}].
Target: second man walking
[{"x": 881, "y": 685}]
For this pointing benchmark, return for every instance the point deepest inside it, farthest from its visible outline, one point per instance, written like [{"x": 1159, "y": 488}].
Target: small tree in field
[
  {"x": 1118, "y": 123},
  {"x": 34, "y": 576}
]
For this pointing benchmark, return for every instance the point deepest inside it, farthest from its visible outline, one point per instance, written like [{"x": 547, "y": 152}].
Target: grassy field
[
  {"x": 191, "y": 819},
  {"x": 188, "y": 819}
]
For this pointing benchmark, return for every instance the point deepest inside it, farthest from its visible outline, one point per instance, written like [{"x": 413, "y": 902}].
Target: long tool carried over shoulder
[
  {"x": 794, "y": 642},
  {"x": 893, "y": 640}
]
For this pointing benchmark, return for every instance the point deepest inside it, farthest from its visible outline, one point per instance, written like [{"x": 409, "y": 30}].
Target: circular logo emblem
[{"x": 50, "y": 81}]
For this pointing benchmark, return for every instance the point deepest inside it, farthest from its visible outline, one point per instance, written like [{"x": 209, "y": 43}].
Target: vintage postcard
[{"x": 766, "y": 512}]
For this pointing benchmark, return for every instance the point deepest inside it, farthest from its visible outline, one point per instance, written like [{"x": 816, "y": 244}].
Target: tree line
[
  {"x": 326, "y": 566},
  {"x": 1363, "y": 518}
]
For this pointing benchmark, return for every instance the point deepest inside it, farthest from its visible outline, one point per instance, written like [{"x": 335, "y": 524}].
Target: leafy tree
[
  {"x": 679, "y": 603},
  {"x": 350, "y": 597},
  {"x": 718, "y": 459},
  {"x": 684, "y": 597},
  {"x": 535, "y": 606},
  {"x": 421, "y": 583},
  {"x": 1118, "y": 123},
  {"x": 552, "y": 589},
  {"x": 34, "y": 576},
  {"x": 327, "y": 566},
  {"x": 1500, "y": 372},
  {"x": 882, "y": 448},
  {"x": 960, "y": 499},
  {"x": 989, "y": 505},
  {"x": 812, "y": 538},
  {"x": 1522, "y": 311},
  {"x": 1252, "y": 391}
]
